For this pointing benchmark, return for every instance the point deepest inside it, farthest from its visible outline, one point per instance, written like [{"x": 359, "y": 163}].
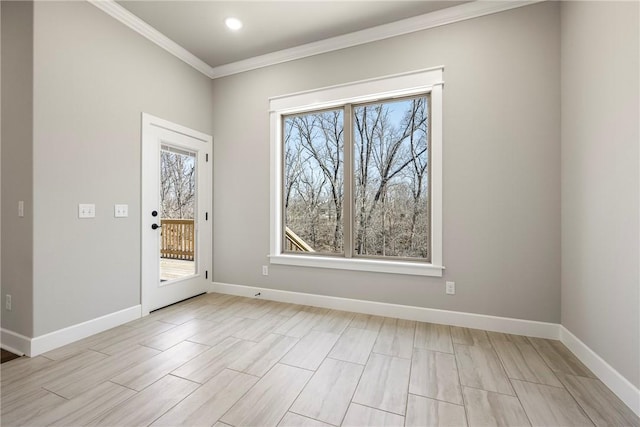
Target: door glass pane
[
  {"x": 178, "y": 201},
  {"x": 313, "y": 182},
  {"x": 391, "y": 166}
]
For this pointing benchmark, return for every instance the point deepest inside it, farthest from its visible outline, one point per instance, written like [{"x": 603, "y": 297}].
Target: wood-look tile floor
[{"x": 220, "y": 360}]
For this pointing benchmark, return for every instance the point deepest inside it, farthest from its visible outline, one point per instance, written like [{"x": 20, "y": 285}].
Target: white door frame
[{"x": 150, "y": 159}]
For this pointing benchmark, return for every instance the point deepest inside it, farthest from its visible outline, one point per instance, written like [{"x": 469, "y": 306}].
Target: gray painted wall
[
  {"x": 93, "y": 77},
  {"x": 600, "y": 181},
  {"x": 501, "y": 166},
  {"x": 71, "y": 131},
  {"x": 17, "y": 165}
]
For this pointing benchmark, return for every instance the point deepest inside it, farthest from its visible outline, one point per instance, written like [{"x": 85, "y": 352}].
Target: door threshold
[{"x": 177, "y": 302}]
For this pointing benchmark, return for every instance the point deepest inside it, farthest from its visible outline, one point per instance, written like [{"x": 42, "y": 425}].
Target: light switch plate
[
  {"x": 120, "y": 211},
  {"x": 86, "y": 210}
]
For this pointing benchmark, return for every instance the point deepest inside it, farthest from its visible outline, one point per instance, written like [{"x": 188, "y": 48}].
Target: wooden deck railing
[
  {"x": 294, "y": 243},
  {"x": 178, "y": 239}
]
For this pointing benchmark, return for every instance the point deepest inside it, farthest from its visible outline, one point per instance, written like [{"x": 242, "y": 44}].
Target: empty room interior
[{"x": 320, "y": 213}]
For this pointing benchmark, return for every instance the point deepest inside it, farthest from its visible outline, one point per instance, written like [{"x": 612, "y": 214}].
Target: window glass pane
[
  {"x": 178, "y": 198},
  {"x": 391, "y": 167},
  {"x": 313, "y": 182}
]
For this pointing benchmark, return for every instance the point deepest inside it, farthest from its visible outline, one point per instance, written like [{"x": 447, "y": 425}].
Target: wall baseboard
[
  {"x": 626, "y": 391},
  {"x": 55, "y": 339},
  {"x": 14, "y": 342},
  {"x": 455, "y": 318},
  {"x": 622, "y": 387}
]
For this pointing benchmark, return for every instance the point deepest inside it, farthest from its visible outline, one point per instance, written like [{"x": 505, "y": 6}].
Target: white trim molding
[
  {"x": 438, "y": 18},
  {"x": 20, "y": 344},
  {"x": 412, "y": 83},
  {"x": 14, "y": 342},
  {"x": 445, "y": 317},
  {"x": 621, "y": 386},
  {"x": 359, "y": 264},
  {"x": 110, "y": 7},
  {"x": 55, "y": 339}
]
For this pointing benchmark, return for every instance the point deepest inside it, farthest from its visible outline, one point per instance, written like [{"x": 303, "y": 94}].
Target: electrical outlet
[
  {"x": 21, "y": 209},
  {"x": 265, "y": 270},
  {"x": 7, "y": 303},
  {"x": 450, "y": 288}
]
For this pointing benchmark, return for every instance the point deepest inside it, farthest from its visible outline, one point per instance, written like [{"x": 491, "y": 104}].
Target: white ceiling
[{"x": 269, "y": 26}]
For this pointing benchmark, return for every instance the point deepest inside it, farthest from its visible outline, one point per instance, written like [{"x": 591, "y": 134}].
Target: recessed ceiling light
[{"x": 233, "y": 23}]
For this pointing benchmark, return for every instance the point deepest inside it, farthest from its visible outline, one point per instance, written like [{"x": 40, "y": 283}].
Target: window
[
  {"x": 391, "y": 179},
  {"x": 313, "y": 175},
  {"x": 357, "y": 176}
]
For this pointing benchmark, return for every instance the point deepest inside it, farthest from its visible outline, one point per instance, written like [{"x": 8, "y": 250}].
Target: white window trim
[{"x": 400, "y": 85}]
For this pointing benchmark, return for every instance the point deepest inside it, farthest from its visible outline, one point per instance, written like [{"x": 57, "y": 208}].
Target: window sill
[{"x": 359, "y": 264}]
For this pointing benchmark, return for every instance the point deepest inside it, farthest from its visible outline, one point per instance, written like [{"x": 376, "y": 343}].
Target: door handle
[{"x": 155, "y": 226}]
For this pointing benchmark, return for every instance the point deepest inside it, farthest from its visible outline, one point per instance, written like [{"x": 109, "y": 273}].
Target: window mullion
[{"x": 347, "y": 169}]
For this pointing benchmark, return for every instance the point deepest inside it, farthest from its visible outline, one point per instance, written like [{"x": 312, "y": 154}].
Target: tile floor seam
[
  {"x": 389, "y": 355},
  {"x": 53, "y": 392},
  {"x": 353, "y": 393},
  {"x": 307, "y": 416},
  {"x": 440, "y": 400},
  {"x": 515, "y": 393},
  {"x": 239, "y": 398},
  {"x": 292, "y": 366},
  {"x": 381, "y": 410},
  {"x": 129, "y": 388},
  {"x": 511, "y": 382},
  {"x": 297, "y": 395},
  {"x": 464, "y": 405},
  {"x": 563, "y": 385},
  {"x": 413, "y": 349},
  {"x": 351, "y": 402}
]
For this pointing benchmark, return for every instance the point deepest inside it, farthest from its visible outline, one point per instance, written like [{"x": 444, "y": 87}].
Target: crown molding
[
  {"x": 405, "y": 26},
  {"x": 118, "y": 12},
  {"x": 438, "y": 18}
]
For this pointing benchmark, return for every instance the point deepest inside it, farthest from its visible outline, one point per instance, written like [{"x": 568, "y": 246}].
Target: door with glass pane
[{"x": 176, "y": 228}]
